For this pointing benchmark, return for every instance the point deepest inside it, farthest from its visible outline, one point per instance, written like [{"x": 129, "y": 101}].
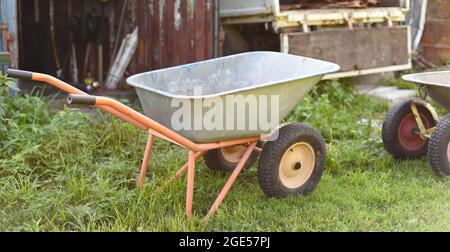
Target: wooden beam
[
  {"x": 327, "y": 4},
  {"x": 354, "y": 49}
]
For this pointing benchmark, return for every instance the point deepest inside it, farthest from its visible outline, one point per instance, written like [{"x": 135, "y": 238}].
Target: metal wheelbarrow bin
[
  {"x": 413, "y": 129},
  {"x": 292, "y": 163}
]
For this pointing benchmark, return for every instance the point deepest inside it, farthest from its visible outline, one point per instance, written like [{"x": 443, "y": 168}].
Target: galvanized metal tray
[
  {"x": 436, "y": 84},
  {"x": 255, "y": 74}
]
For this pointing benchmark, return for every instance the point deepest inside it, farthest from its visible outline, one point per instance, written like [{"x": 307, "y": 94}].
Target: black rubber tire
[
  {"x": 390, "y": 130},
  {"x": 215, "y": 161},
  {"x": 268, "y": 170},
  {"x": 437, "y": 148}
]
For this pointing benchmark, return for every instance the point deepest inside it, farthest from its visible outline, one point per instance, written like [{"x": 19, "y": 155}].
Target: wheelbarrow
[
  {"x": 291, "y": 163},
  {"x": 412, "y": 128}
]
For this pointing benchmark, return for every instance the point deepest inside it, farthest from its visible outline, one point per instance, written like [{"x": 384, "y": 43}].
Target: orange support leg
[
  {"x": 231, "y": 180},
  {"x": 185, "y": 166},
  {"x": 144, "y": 166},
  {"x": 190, "y": 183}
]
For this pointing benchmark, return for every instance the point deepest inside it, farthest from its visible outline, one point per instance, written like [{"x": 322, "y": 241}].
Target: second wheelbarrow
[
  {"x": 413, "y": 129},
  {"x": 291, "y": 163}
]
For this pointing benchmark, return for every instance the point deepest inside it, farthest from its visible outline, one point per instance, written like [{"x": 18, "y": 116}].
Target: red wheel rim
[
  {"x": 448, "y": 152},
  {"x": 406, "y": 133}
]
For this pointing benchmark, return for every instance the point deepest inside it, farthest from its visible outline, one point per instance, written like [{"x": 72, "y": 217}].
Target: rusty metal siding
[
  {"x": 171, "y": 32},
  {"x": 174, "y": 32},
  {"x": 436, "y": 37}
]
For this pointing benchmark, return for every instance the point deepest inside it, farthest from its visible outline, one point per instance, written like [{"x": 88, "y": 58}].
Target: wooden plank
[
  {"x": 141, "y": 61},
  {"x": 169, "y": 33},
  {"x": 327, "y": 4},
  {"x": 156, "y": 36},
  {"x": 340, "y": 75},
  {"x": 173, "y": 32},
  {"x": 150, "y": 12},
  {"x": 181, "y": 31},
  {"x": 354, "y": 49},
  {"x": 209, "y": 23},
  {"x": 392, "y": 3},
  {"x": 163, "y": 27},
  {"x": 199, "y": 33},
  {"x": 190, "y": 29}
]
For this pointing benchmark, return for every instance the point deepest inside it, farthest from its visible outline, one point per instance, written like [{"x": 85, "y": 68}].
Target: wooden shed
[{"x": 77, "y": 40}]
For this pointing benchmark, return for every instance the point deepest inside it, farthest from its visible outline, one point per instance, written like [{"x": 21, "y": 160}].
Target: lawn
[{"x": 68, "y": 171}]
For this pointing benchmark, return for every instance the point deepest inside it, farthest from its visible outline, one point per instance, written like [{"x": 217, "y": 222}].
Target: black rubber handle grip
[
  {"x": 20, "y": 74},
  {"x": 81, "y": 99}
]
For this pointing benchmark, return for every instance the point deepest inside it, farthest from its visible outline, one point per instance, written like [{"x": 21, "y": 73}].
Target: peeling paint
[
  {"x": 162, "y": 6},
  {"x": 177, "y": 15},
  {"x": 190, "y": 8},
  {"x": 150, "y": 7}
]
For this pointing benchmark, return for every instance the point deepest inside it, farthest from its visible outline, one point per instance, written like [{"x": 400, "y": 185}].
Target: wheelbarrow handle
[
  {"x": 81, "y": 99},
  {"x": 20, "y": 74},
  {"x": 28, "y": 75},
  {"x": 74, "y": 91}
]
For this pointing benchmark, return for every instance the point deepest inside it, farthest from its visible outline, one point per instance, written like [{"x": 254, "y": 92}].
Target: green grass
[
  {"x": 402, "y": 84},
  {"x": 66, "y": 171}
]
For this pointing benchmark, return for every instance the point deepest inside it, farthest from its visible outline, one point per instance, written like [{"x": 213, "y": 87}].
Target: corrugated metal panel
[{"x": 173, "y": 32}]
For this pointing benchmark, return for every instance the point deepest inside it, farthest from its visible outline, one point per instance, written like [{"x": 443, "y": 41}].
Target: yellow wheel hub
[
  {"x": 297, "y": 165},
  {"x": 233, "y": 154}
]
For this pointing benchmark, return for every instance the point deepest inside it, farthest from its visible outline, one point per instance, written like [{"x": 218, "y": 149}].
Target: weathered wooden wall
[
  {"x": 356, "y": 49},
  {"x": 173, "y": 32},
  {"x": 325, "y": 4}
]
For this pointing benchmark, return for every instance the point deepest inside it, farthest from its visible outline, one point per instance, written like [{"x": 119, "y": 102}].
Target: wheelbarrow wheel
[
  {"x": 439, "y": 148},
  {"x": 400, "y": 131},
  {"x": 226, "y": 159},
  {"x": 293, "y": 164}
]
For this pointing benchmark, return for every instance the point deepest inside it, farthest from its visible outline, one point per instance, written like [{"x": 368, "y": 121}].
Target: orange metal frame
[{"x": 196, "y": 151}]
